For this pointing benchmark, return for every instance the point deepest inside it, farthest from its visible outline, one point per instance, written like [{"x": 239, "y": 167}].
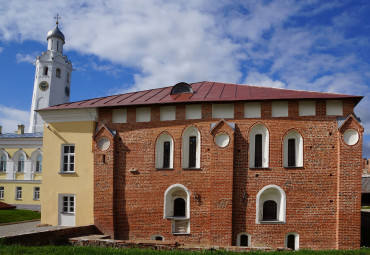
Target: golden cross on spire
[{"x": 57, "y": 18}]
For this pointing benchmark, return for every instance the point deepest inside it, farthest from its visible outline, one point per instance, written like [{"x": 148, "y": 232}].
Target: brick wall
[{"x": 320, "y": 207}]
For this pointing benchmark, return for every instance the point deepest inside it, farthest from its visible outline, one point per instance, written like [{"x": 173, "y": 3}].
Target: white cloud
[
  {"x": 11, "y": 117},
  {"x": 25, "y": 58},
  {"x": 1, "y": 49},
  {"x": 258, "y": 79}
]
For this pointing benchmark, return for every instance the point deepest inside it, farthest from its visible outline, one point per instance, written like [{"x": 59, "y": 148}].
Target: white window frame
[
  {"x": 169, "y": 198},
  {"x": 256, "y": 130},
  {"x": 190, "y": 131},
  {"x": 296, "y": 240},
  {"x": 68, "y": 206},
  {"x": 238, "y": 239},
  {"x": 36, "y": 193},
  {"x": 2, "y": 192},
  {"x": 164, "y": 137},
  {"x": 298, "y": 148},
  {"x": 20, "y": 164},
  {"x": 275, "y": 193},
  {"x": 69, "y": 162},
  {"x": 3, "y": 163},
  {"x": 18, "y": 193},
  {"x": 38, "y": 164}
]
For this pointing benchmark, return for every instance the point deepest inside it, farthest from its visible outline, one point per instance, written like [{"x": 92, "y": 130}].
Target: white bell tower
[{"x": 52, "y": 79}]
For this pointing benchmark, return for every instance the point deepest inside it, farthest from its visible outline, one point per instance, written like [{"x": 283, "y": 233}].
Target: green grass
[
  {"x": 17, "y": 249},
  {"x": 18, "y": 215},
  {"x": 365, "y": 207}
]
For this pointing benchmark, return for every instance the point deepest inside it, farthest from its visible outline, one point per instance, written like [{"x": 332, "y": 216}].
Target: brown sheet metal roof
[
  {"x": 5, "y": 206},
  {"x": 203, "y": 91},
  {"x": 365, "y": 187}
]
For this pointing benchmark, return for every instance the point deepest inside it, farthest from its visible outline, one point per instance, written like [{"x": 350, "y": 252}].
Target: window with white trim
[
  {"x": 36, "y": 193},
  {"x": 271, "y": 205},
  {"x": 243, "y": 239},
  {"x": 58, "y": 73},
  {"x": 38, "y": 164},
  {"x": 20, "y": 163},
  {"x": 157, "y": 238},
  {"x": 1, "y": 192},
  {"x": 164, "y": 152},
  {"x": 18, "y": 193},
  {"x": 68, "y": 204},
  {"x": 3, "y": 160},
  {"x": 293, "y": 150},
  {"x": 191, "y": 148},
  {"x": 292, "y": 241},
  {"x": 68, "y": 158},
  {"x": 177, "y": 208},
  {"x": 259, "y": 147}
]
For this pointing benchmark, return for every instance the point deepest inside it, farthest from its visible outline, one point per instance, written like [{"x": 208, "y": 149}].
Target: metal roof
[
  {"x": 365, "y": 186},
  {"x": 25, "y": 135},
  {"x": 55, "y": 32},
  {"x": 202, "y": 92}
]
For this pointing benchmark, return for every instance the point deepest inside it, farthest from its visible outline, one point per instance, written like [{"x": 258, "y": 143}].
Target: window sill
[
  {"x": 169, "y": 168},
  {"x": 67, "y": 172},
  {"x": 19, "y": 199},
  {"x": 178, "y": 234},
  {"x": 293, "y": 167},
  {"x": 260, "y": 168},
  {"x": 67, "y": 213},
  {"x": 192, "y": 168},
  {"x": 177, "y": 218},
  {"x": 271, "y": 222}
]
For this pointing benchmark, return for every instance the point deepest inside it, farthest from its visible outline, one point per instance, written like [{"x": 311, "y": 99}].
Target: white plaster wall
[
  {"x": 334, "y": 107},
  {"x": 168, "y": 113},
  {"x": 307, "y": 108},
  {"x": 193, "y": 111},
  {"x": 252, "y": 110},
  {"x": 223, "y": 111},
  {"x": 279, "y": 109},
  {"x": 119, "y": 116},
  {"x": 143, "y": 114}
]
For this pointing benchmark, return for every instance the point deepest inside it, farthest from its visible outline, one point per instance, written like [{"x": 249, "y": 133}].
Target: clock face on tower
[{"x": 43, "y": 86}]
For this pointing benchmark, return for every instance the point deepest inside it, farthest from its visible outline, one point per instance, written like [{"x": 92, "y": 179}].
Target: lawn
[
  {"x": 365, "y": 207},
  {"x": 16, "y": 249},
  {"x": 18, "y": 215}
]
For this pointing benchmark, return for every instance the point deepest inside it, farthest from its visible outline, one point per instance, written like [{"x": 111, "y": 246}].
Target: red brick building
[{"x": 225, "y": 164}]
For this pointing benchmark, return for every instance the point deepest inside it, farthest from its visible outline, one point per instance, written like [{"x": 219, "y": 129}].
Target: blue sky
[{"x": 119, "y": 46}]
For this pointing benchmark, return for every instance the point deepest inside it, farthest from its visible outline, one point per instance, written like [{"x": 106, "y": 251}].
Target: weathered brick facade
[{"x": 322, "y": 197}]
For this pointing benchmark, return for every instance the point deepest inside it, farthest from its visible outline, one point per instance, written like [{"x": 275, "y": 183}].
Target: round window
[
  {"x": 350, "y": 137},
  {"x": 103, "y": 144},
  {"x": 222, "y": 140}
]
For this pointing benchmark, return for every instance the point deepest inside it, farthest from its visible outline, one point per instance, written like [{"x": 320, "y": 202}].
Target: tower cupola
[{"x": 56, "y": 38}]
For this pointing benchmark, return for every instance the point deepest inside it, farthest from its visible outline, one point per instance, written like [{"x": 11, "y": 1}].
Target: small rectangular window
[
  {"x": 36, "y": 193},
  {"x": 119, "y": 115},
  {"x": 291, "y": 152},
  {"x": 68, "y": 205},
  {"x": 192, "y": 151},
  {"x": 1, "y": 192},
  {"x": 166, "y": 154},
  {"x": 258, "y": 151},
  {"x": 18, "y": 193},
  {"x": 68, "y": 158}
]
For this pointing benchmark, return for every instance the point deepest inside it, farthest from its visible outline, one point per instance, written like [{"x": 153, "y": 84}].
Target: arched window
[
  {"x": 269, "y": 210},
  {"x": 177, "y": 208},
  {"x": 38, "y": 167},
  {"x": 191, "y": 148},
  {"x": 292, "y": 241},
  {"x": 243, "y": 239},
  {"x": 164, "y": 151},
  {"x": 20, "y": 163},
  {"x": 259, "y": 147},
  {"x": 271, "y": 205},
  {"x": 3, "y": 160},
  {"x": 58, "y": 73},
  {"x": 157, "y": 238},
  {"x": 45, "y": 70},
  {"x": 293, "y": 150}
]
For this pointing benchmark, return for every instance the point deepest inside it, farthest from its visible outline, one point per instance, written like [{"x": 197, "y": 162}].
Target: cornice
[{"x": 69, "y": 115}]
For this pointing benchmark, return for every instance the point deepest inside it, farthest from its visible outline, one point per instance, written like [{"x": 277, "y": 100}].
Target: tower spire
[{"x": 57, "y": 18}]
